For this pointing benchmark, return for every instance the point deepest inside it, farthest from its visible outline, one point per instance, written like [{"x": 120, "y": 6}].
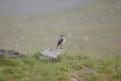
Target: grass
[{"x": 30, "y": 68}]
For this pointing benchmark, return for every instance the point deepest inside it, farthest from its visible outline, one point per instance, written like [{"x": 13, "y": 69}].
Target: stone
[
  {"x": 10, "y": 53},
  {"x": 2, "y": 51},
  {"x": 51, "y": 53}
]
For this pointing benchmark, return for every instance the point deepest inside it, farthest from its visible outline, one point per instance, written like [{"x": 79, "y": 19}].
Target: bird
[{"x": 60, "y": 41}]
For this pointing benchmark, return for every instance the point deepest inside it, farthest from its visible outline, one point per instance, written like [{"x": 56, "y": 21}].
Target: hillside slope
[{"x": 93, "y": 28}]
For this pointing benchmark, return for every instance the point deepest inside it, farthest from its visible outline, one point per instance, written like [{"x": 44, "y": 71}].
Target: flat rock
[
  {"x": 10, "y": 53},
  {"x": 51, "y": 53}
]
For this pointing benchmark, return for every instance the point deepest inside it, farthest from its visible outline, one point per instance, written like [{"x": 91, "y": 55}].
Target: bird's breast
[{"x": 64, "y": 40}]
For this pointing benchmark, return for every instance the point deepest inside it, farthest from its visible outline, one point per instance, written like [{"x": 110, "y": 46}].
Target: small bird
[{"x": 60, "y": 42}]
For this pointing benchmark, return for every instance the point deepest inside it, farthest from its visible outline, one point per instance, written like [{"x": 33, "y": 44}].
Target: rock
[
  {"x": 73, "y": 79},
  {"x": 89, "y": 70},
  {"x": 51, "y": 53},
  {"x": 2, "y": 51},
  {"x": 10, "y": 53},
  {"x": 75, "y": 76}
]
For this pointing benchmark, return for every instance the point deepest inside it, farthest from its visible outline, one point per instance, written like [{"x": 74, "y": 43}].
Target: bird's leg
[
  {"x": 57, "y": 46},
  {"x": 60, "y": 46}
]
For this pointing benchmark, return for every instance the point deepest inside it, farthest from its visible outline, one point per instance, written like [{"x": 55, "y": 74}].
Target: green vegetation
[{"x": 30, "y": 68}]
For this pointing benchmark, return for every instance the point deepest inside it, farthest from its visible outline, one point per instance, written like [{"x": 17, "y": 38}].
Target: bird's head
[{"x": 63, "y": 35}]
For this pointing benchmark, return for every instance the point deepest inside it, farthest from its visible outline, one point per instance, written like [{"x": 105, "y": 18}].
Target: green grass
[{"x": 30, "y": 68}]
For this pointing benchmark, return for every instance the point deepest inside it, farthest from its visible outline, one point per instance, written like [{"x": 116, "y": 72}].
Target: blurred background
[{"x": 92, "y": 27}]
